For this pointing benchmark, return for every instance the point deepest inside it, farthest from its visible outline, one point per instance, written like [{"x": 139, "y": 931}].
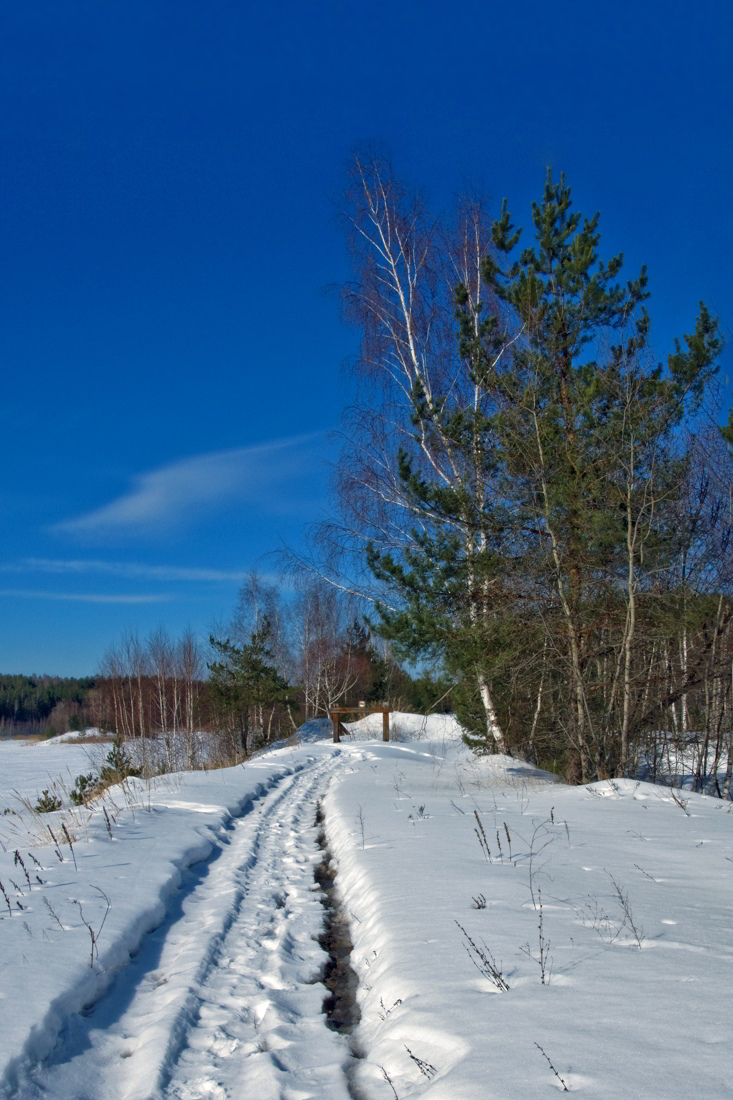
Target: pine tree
[
  {"x": 563, "y": 467},
  {"x": 244, "y": 681},
  {"x": 584, "y": 438}
]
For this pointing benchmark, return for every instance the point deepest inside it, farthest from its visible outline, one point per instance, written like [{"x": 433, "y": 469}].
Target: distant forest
[
  {"x": 288, "y": 664},
  {"x": 35, "y": 703}
]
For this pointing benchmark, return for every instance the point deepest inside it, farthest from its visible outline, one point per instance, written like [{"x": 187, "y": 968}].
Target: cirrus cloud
[
  {"x": 81, "y": 597},
  {"x": 125, "y": 569},
  {"x": 263, "y": 475}
]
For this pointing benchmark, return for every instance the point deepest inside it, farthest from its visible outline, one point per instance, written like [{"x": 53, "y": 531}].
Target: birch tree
[
  {"x": 425, "y": 421},
  {"x": 325, "y": 669},
  {"x": 520, "y": 468}
]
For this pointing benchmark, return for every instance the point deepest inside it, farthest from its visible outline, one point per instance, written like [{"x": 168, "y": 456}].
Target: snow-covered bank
[
  {"x": 156, "y": 831},
  {"x": 90, "y": 733},
  {"x": 619, "y": 894},
  {"x": 635, "y": 1003}
]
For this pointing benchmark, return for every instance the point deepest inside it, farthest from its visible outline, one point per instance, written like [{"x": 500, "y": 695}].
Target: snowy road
[
  {"x": 207, "y": 979},
  {"x": 223, "y": 1000}
]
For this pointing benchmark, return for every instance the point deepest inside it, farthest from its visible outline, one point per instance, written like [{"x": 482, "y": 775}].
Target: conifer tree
[
  {"x": 244, "y": 681},
  {"x": 564, "y": 466}
]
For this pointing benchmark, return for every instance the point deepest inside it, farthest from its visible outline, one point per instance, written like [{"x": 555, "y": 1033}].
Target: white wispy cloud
[
  {"x": 81, "y": 597},
  {"x": 130, "y": 570},
  {"x": 174, "y": 493}
]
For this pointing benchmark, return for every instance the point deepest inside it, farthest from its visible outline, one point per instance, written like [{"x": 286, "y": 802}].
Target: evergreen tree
[
  {"x": 244, "y": 681},
  {"x": 564, "y": 468},
  {"x": 586, "y": 441}
]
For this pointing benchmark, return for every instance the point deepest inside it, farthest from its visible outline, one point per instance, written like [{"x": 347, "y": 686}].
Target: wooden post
[{"x": 339, "y": 729}]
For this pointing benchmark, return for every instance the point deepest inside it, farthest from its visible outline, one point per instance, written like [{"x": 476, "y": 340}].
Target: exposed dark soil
[{"x": 340, "y": 1006}]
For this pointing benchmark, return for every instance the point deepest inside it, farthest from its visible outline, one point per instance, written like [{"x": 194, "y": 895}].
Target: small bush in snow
[
  {"x": 47, "y": 803},
  {"x": 547, "y": 1059},
  {"x": 84, "y": 787},
  {"x": 542, "y": 958},
  {"x": 484, "y": 962},
  {"x": 360, "y": 824},
  {"x": 389, "y": 1081},
  {"x": 481, "y": 835},
  {"x": 622, "y": 897},
  {"x": 386, "y": 1011},
  {"x": 119, "y": 765},
  {"x": 425, "y": 1068}
]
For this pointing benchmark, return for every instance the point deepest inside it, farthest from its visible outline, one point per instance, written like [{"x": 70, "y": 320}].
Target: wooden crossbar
[{"x": 339, "y": 728}]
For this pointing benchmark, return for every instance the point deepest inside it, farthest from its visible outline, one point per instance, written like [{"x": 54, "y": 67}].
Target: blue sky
[{"x": 172, "y": 361}]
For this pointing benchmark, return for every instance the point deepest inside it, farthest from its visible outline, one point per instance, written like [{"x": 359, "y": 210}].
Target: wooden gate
[{"x": 339, "y": 729}]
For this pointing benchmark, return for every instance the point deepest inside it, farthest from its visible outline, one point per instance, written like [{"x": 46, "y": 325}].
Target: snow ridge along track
[{"x": 225, "y": 1002}]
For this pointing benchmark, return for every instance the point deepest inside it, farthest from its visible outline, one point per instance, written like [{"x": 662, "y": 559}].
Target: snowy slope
[
  {"x": 179, "y": 856},
  {"x": 630, "y": 1007},
  {"x": 206, "y": 979},
  {"x": 75, "y": 736},
  {"x": 26, "y": 769}
]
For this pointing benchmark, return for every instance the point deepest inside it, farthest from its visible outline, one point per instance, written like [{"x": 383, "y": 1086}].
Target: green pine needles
[
  {"x": 543, "y": 465},
  {"x": 244, "y": 682}
]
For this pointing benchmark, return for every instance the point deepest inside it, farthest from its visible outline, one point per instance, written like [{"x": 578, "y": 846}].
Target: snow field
[
  {"x": 248, "y": 836},
  {"x": 616, "y": 1019},
  {"x": 206, "y": 982},
  {"x": 26, "y": 769}
]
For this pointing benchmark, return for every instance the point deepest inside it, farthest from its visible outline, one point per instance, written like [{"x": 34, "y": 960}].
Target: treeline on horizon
[
  {"x": 29, "y": 704},
  {"x": 279, "y": 663}
]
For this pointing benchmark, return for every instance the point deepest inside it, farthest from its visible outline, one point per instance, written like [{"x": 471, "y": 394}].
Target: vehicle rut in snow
[
  {"x": 341, "y": 1006},
  {"x": 227, "y": 1000}
]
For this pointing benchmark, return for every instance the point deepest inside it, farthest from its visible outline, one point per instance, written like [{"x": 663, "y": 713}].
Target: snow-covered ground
[
  {"x": 27, "y": 769},
  {"x": 77, "y": 735},
  {"x": 685, "y": 762},
  {"x": 204, "y": 978}
]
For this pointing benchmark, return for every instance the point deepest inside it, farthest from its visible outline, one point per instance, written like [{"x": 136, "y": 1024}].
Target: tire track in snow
[
  {"x": 259, "y": 1029},
  {"x": 227, "y": 1002}
]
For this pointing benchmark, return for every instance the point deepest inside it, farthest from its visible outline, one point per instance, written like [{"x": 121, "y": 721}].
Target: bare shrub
[
  {"x": 622, "y": 897},
  {"x": 484, "y": 962},
  {"x": 547, "y": 1059},
  {"x": 542, "y": 958}
]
